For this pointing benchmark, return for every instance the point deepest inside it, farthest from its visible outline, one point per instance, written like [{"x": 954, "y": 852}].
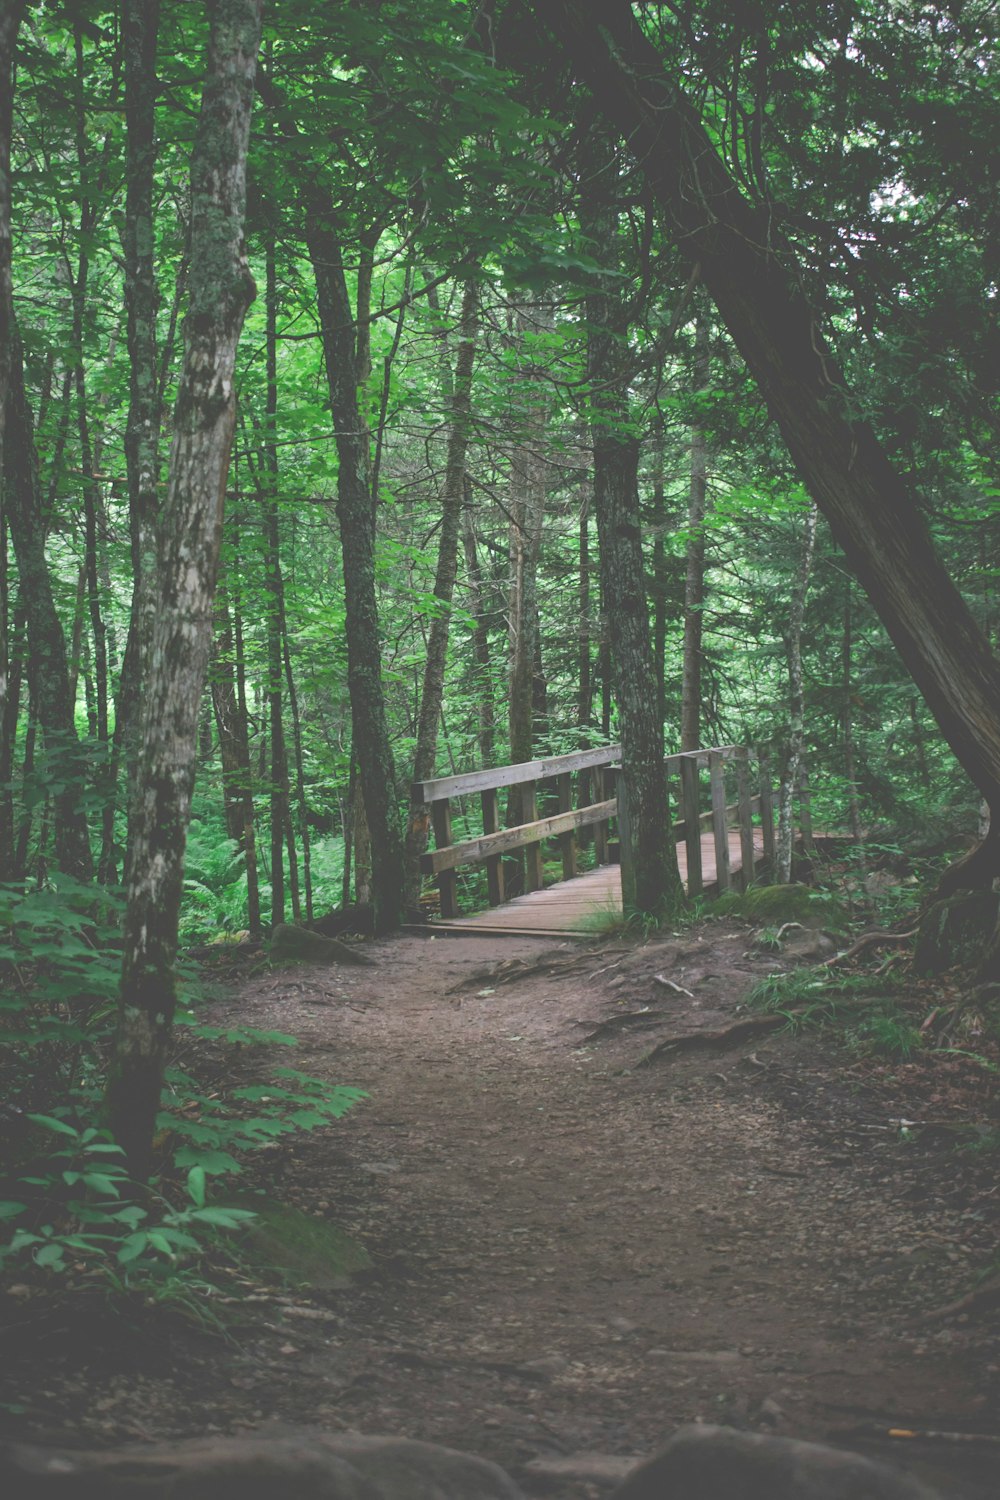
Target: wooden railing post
[
  {"x": 532, "y": 852},
  {"x": 720, "y": 826},
  {"x": 586, "y": 835},
  {"x": 624, "y": 825},
  {"x": 447, "y": 880},
  {"x": 690, "y": 812},
  {"x": 747, "y": 859},
  {"x": 567, "y": 841},
  {"x": 490, "y": 801},
  {"x": 600, "y": 829},
  {"x": 766, "y": 809}
]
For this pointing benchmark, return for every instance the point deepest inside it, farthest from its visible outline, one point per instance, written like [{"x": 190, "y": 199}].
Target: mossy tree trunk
[{"x": 220, "y": 291}]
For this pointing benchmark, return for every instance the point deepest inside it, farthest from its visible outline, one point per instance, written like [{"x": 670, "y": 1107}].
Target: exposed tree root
[
  {"x": 717, "y": 1041},
  {"x": 875, "y": 939},
  {"x": 613, "y": 1024},
  {"x": 978, "y": 1300}
]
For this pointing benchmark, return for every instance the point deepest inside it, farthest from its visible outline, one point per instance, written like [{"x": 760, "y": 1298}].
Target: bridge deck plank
[{"x": 570, "y": 908}]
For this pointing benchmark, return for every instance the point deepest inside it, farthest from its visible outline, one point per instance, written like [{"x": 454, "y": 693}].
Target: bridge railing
[{"x": 726, "y": 802}]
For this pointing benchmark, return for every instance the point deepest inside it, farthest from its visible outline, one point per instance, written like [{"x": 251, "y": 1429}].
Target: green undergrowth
[
  {"x": 304, "y": 1252},
  {"x": 67, "y": 1206},
  {"x": 867, "y": 1009},
  {"x": 879, "y": 1014}
]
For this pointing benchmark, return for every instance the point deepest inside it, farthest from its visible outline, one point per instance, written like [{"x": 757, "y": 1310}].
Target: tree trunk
[
  {"x": 650, "y": 879},
  {"x": 10, "y": 20},
  {"x": 694, "y": 582},
  {"x": 483, "y": 675},
  {"x": 48, "y": 665},
  {"x": 300, "y": 783},
  {"x": 527, "y": 514},
  {"x": 452, "y": 499},
  {"x": 221, "y": 290},
  {"x": 140, "y": 25},
  {"x": 355, "y": 513},
  {"x": 229, "y": 703},
  {"x": 758, "y": 289},
  {"x": 796, "y": 701}
]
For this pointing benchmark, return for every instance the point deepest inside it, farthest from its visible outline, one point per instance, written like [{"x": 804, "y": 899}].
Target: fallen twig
[
  {"x": 930, "y": 1435},
  {"x": 677, "y": 988}
]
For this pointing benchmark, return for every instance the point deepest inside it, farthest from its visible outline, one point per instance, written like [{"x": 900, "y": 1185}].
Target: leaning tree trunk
[
  {"x": 452, "y": 500},
  {"x": 758, "y": 289},
  {"x": 796, "y": 704},
  {"x": 221, "y": 290}
]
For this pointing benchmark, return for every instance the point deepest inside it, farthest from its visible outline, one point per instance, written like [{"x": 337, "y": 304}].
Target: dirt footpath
[{"x": 575, "y": 1251}]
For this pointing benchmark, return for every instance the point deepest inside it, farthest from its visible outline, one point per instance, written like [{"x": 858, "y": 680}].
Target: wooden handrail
[
  {"x": 605, "y": 761},
  {"x": 525, "y": 770},
  {"x": 471, "y": 851}
]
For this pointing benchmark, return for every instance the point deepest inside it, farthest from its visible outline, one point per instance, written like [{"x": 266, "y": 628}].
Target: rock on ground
[{"x": 718, "y": 1463}]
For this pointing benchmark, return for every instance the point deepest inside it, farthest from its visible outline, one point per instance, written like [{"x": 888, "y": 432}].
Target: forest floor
[{"x": 575, "y": 1249}]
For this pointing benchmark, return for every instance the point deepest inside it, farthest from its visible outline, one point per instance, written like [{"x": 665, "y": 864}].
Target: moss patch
[
  {"x": 775, "y": 904},
  {"x": 307, "y": 1252}
]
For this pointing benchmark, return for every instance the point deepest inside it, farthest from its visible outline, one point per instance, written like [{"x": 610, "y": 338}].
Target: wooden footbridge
[{"x": 725, "y": 836}]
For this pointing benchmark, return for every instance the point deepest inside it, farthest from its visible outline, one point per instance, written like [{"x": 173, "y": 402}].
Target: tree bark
[
  {"x": 758, "y": 289},
  {"x": 355, "y": 514},
  {"x": 483, "y": 673},
  {"x": 221, "y": 290},
  {"x": 48, "y": 664},
  {"x": 694, "y": 582},
  {"x": 452, "y": 499},
  {"x": 229, "y": 702},
  {"x": 796, "y": 706},
  {"x": 650, "y": 878},
  {"x": 527, "y": 515},
  {"x": 10, "y": 21},
  {"x": 140, "y": 25}
]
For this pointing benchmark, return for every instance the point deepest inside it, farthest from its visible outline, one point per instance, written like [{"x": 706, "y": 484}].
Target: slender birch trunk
[
  {"x": 10, "y": 20},
  {"x": 221, "y": 290},
  {"x": 796, "y": 727},
  {"x": 694, "y": 582}
]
